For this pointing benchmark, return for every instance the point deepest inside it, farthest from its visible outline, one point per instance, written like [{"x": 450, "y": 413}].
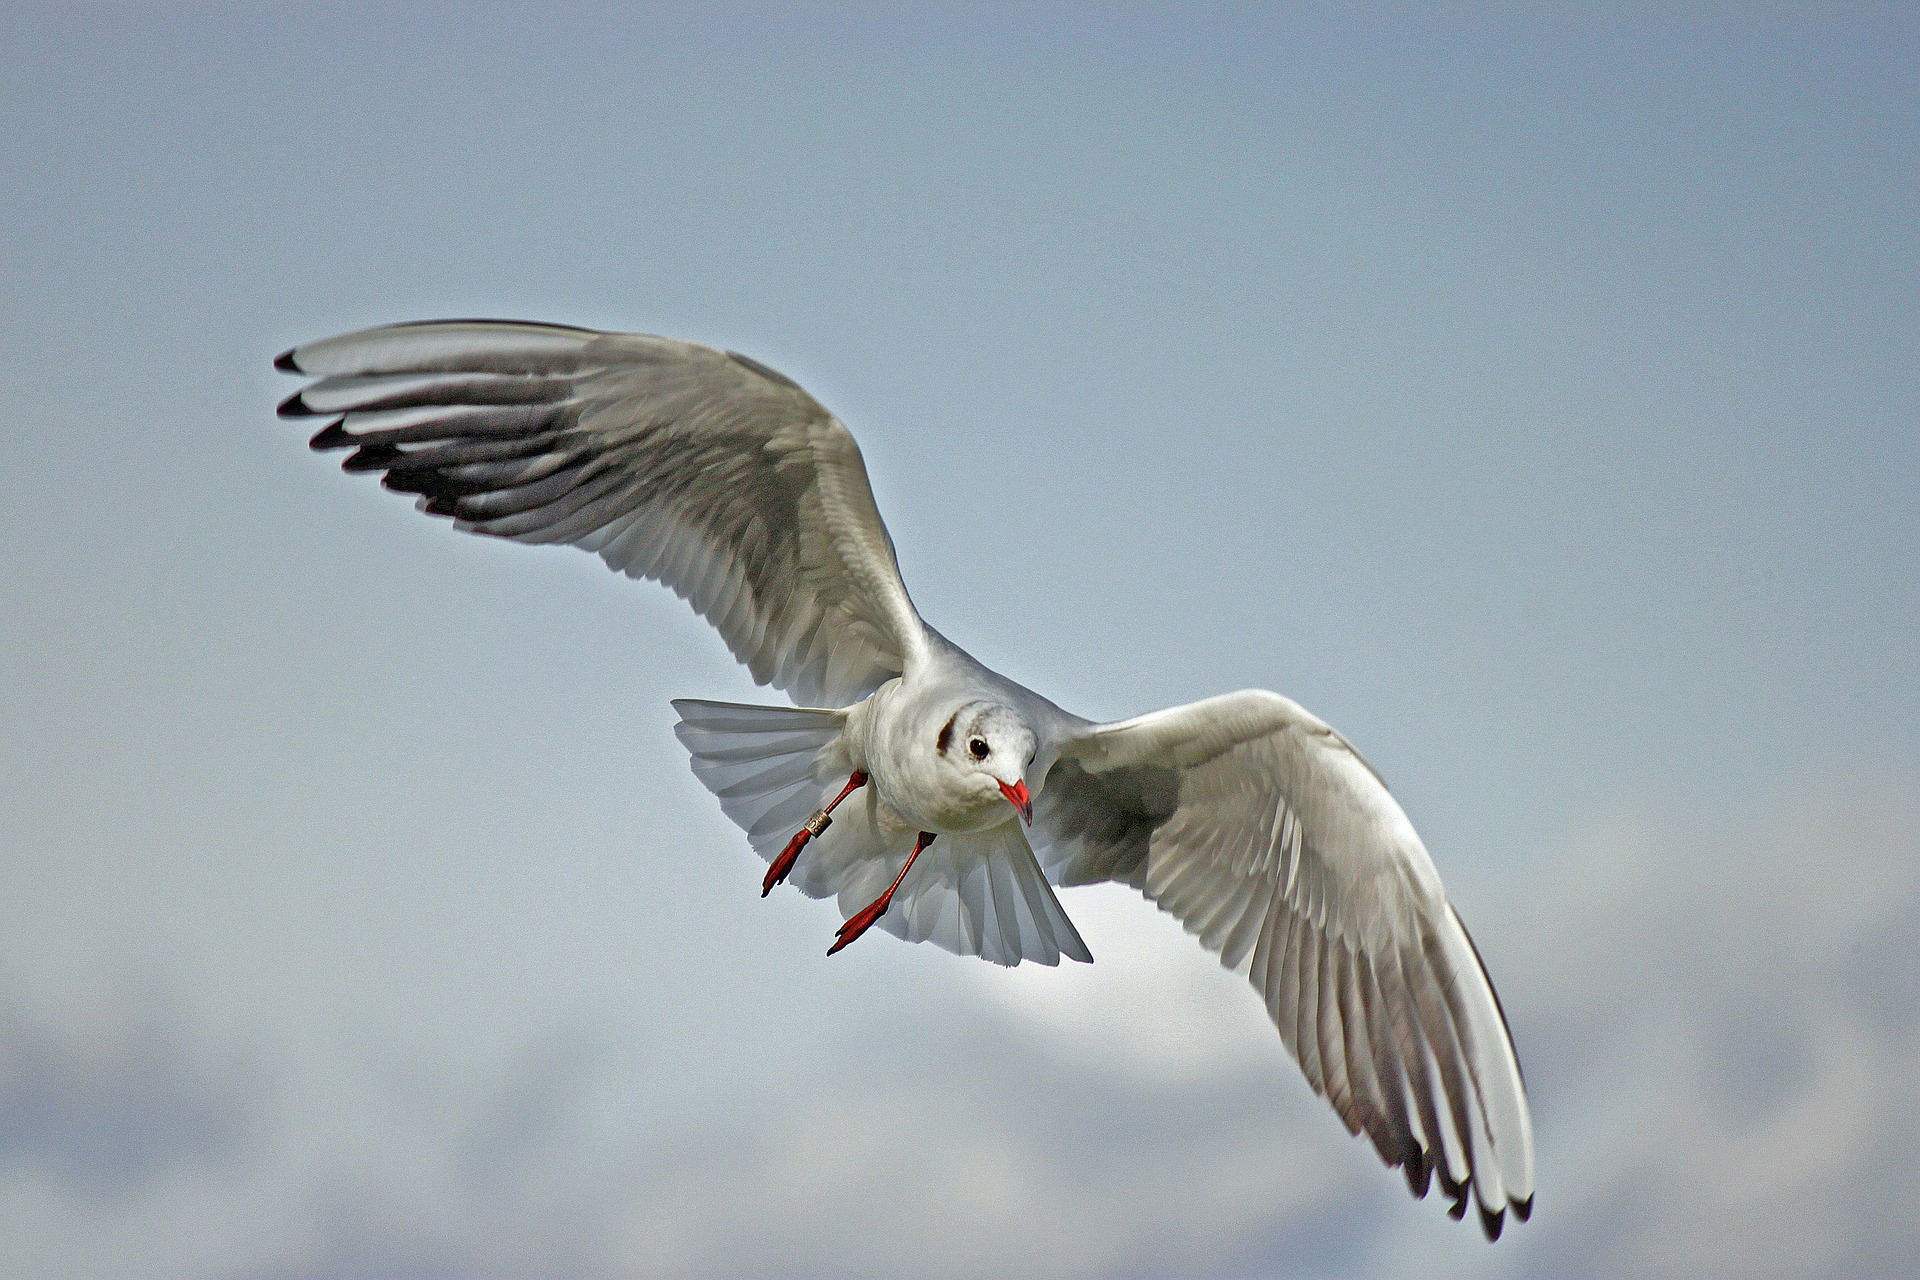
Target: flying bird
[{"x": 933, "y": 797}]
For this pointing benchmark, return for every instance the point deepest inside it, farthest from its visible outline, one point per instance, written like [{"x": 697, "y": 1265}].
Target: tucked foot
[
  {"x": 820, "y": 821},
  {"x": 784, "y": 863},
  {"x": 862, "y": 920}
]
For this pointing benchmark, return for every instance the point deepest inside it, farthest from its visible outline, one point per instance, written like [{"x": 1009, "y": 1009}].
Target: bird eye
[{"x": 978, "y": 746}]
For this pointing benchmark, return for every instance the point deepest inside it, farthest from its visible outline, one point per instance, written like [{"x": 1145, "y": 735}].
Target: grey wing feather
[
  {"x": 1266, "y": 835},
  {"x": 696, "y": 467}
]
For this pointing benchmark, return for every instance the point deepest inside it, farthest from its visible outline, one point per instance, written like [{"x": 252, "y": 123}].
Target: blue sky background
[{"x": 1531, "y": 396}]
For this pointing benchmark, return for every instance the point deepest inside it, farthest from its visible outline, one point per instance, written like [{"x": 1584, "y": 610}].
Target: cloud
[
  {"x": 1718, "y": 1022},
  {"x": 968, "y": 1145},
  {"x": 1721, "y": 1019},
  {"x": 105, "y": 1113}
]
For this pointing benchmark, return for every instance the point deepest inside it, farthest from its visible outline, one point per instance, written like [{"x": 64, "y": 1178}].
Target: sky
[{"x": 1531, "y": 396}]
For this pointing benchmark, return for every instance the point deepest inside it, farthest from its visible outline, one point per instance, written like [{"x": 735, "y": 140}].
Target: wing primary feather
[
  {"x": 460, "y": 451},
  {"x": 1508, "y": 1124},
  {"x": 1327, "y": 1032},
  {"x": 1420, "y": 1086},
  {"x": 1290, "y": 987},
  {"x": 1444, "y": 1058},
  {"x": 1358, "y": 1055},
  {"x": 1389, "y": 1055},
  {"x": 1306, "y": 1028},
  {"x": 483, "y": 502},
  {"x": 569, "y": 522},
  {"x": 331, "y": 436},
  {"x": 413, "y": 390},
  {"x": 1469, "y": 1070},
  {"x": 1363, "y": 1058}
]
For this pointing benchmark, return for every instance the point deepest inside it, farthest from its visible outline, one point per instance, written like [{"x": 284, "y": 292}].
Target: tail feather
[
  {"x": 764, "y": 764},
  {"x": 982, "y": 894}
]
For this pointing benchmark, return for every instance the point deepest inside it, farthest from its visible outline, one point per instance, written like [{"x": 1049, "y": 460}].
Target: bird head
[{"x": 990, "y": 748}]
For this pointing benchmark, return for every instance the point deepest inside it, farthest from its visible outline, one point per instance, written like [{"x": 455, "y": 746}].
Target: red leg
[
  {"x": 820, "y": 821},
  {"x": 863, "y": 919}
]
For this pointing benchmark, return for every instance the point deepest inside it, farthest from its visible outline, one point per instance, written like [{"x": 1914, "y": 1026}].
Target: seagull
[{"x": 935, "y": 798}]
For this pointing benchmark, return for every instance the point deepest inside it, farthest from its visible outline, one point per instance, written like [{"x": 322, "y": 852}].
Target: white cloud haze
[{"x": 1718, "y": 1018}]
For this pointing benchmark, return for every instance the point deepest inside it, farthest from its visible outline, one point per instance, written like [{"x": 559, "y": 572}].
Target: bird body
[
  {"x": 889, "y": 732},
  {"x": 934, "y": 798}
]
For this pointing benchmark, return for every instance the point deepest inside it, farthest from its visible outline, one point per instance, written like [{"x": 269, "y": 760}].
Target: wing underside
[
  {"x": 695, "y": 467},
  {"x": 1268, "y": 837}
]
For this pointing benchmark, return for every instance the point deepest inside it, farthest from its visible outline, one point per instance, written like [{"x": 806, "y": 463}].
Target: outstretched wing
[
  {"x": 1266, "y": 835},
  {"x": 696, "y": 467}
]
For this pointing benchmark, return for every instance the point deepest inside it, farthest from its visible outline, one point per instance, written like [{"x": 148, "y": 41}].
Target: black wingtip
[
  {"x": 331, "y": 436},
  {"x": 1523, "y": 1209},
  {"x": 1491, "y": 1220},
  {"x": 294, "y": 407},
  {"x": 285, "y": 363},
  {"x": 1419, "y": 1173},
  {"x": 372, "y": 457}
]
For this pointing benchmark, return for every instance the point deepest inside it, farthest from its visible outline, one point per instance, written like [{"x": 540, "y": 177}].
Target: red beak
[{"x": 1017, "y": 797}]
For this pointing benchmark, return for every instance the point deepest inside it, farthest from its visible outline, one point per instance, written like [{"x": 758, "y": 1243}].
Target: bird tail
[{"x": 768, "y": 766}]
